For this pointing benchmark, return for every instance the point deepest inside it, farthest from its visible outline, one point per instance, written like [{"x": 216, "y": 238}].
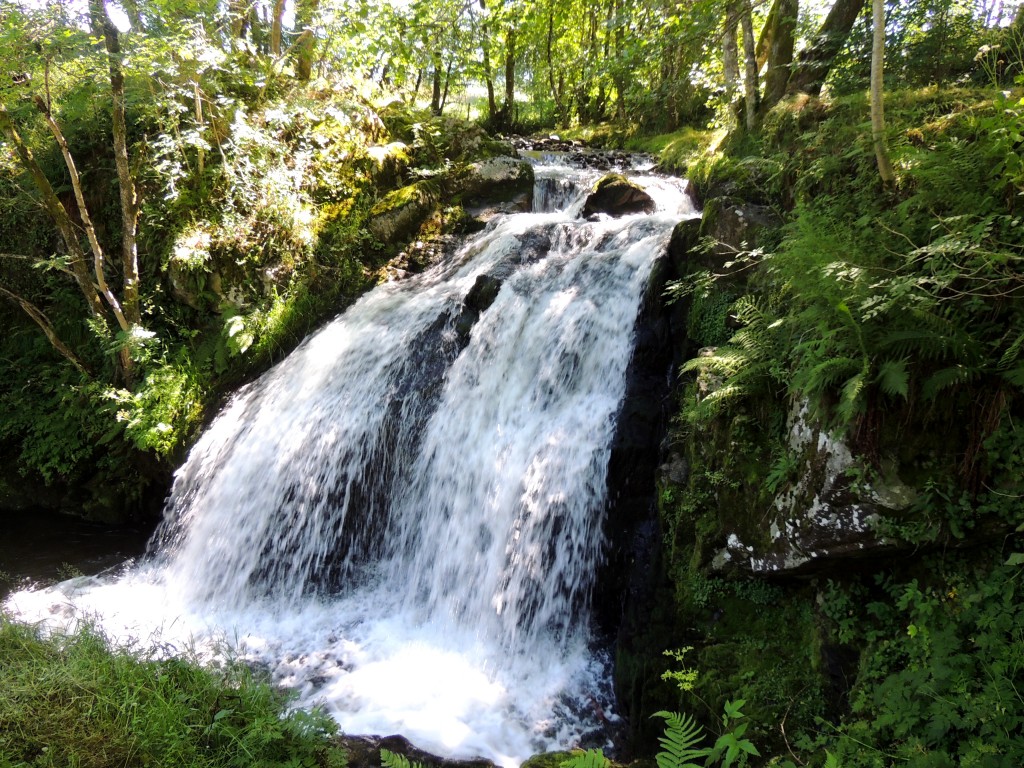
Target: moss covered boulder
[
  {"x": 400, "y": 214},
  {"x": 615, "y": 195},
  {"x": 497, "y": 180}
]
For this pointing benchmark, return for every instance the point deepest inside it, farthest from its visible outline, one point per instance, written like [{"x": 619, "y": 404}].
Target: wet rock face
[
  {"x": 824, "y": 519},
  {"x": 364, "y": 752},
  {"x": 737, "y": 226},
  {"x": 615, "y": 195},
  {"x": 631, "y": 524},
  {"x": 577, "y": 154}
]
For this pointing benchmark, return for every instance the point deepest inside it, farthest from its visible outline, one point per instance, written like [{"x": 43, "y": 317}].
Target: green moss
[
  {"x": 675, "y": 151},
  {"x": 547, "y": 760}
]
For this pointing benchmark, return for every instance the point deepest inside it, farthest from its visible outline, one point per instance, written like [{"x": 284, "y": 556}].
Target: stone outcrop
[
  {"x": 829, "y": 515},
  {"x": 497, "y": 184},
  {"x": 615, "y": 195},
  {"x": 399, "y": 215}
]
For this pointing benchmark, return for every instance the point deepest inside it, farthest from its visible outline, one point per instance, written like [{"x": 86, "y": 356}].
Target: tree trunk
[
  {"x": 276, "y": 23},
  {"x": 129, "y": 196},
  {"x": 435, "y": 91},
  {"x": 510, "y": 77},
  {"x": 83, "y": 213},
  {"x": 619, "y": 77},
  {"x": 556, "y": 92},
  {"x": 485, "y": 49},
  {"x": 126, "y": 184},
  {"x": 44, "y": 323},
  {"x": 304, "y": 47},
  {"x": 59, "y": 215},
  {"x": 877, "y": 115},
  {"x": 815, "y": 61},
  {"x": 238, "y": 13},
  {"x": 750, "y": 89},
  {"x": 730, "y": 51},
  {"x": 447, "y": 85},
  {"x": 778, "y": 36}
]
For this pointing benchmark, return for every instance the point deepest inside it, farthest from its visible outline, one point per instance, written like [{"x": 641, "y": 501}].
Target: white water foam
[{"x": 403, "y": 523}]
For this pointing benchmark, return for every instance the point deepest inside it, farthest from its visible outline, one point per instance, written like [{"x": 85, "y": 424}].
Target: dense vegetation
[
  {"x": 223, "y": 164},
  {"x": 891, "y": 317},
  {"x": 68, "y": 700}
]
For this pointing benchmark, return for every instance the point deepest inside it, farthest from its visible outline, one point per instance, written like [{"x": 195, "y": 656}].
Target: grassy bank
[{"x": 72, "y": 700}]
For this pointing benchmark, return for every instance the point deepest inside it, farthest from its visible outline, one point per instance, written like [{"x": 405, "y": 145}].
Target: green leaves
[
  {"x": 591, "y": 758},
  {"x": 731, "y": 748},
  {"x": 677, "y": 743},
  {"x": 390, "y": 759}
]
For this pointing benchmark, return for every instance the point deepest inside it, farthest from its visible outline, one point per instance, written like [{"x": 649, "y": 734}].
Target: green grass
[
  {"x": 675, "y": 150},
  {"x": 73, "y": 700}
]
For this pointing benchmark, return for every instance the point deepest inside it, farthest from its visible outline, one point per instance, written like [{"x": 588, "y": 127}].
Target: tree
[
  {"x": 815, "y": 61},
  {"x": 775, "y": 50},
  {"x": 101, "y": 299},
  {"x": 750, "y": 87},
  {"x": 877, "y": 117}
]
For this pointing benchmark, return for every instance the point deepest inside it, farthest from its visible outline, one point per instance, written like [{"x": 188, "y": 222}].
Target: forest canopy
[{"x": 185, "y": 185}]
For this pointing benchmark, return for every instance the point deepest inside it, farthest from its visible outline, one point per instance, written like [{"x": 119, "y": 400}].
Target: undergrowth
[
  {"x": 894, "y": 320},
  {"x": 73, "y": 700}
]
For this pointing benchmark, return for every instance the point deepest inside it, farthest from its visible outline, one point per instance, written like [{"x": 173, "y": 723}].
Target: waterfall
[{"x": 403, "y": 518}]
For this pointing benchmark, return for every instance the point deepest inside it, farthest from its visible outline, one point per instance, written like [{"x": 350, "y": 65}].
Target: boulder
[
  {"x": 827, "y": 517},
  {"x": 736, "y": 226},
  {"x": 615, "y": 195},
  {"x": 364, "y": 752},
  {"x": 400, "y": 214},
  {"x": 483, "y": 293},
  {"x": 497, "y": 180}
]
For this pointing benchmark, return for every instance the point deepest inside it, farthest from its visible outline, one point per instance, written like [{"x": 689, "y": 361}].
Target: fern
[
  {"x": 390, "y": 759},
  {"x": 946, "y": 378},
  {"x": 592, "y": 758},
  {"x": 893, "y": 378},
  {"x": 681, "y": 734}
]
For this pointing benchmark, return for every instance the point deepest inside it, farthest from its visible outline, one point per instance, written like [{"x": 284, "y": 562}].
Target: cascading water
[{"x": 402, "y": 519}]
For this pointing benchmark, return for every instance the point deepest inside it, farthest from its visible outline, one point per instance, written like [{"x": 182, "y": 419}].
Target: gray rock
[
  {"x": 824, "y": 519},
  {"x": 497, "y": 180},
  {"x": 615, "y": 195}
]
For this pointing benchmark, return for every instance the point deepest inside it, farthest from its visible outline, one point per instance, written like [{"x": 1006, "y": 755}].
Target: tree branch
[{"x": 44, "y": 323}]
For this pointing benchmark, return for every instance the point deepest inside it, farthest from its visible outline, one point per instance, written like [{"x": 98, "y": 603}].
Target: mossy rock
[
  {"x": 735, "y": 226},
  {"x": 615, "y": 195},
  {"x": 401, "y": 213},
  {"x": 495, "y": 180},
  {"x": 547, "y": 760},
  {"x": 389, "y": 163},
  {"x": 685, "y": 237},
  {"x": 749, "y": 179}
]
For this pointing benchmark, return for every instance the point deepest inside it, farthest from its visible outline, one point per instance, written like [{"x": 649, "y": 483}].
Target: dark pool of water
[{"x": 42, "y": 547}]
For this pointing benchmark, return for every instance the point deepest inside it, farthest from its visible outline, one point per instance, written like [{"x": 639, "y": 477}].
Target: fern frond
[
  {"x": 947, "y": 377},
  {"x": 681, "y": 734},
  {"x": 592, "y": 758},
  {"x": 726, "y": 361},
  {"x": 831, "y": 761},
  {"x": 893, "y": 378},
  {"x": 1012, "y": 352},
  {"x": 714, "y": 404},
  {"x": 850, "y": 401},
  {"x": 390, "y": 759},
  {"x": 1015, "y": 375},
  {"x": 933, "y": 338},
  {"x": 827, "y": 373}
]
